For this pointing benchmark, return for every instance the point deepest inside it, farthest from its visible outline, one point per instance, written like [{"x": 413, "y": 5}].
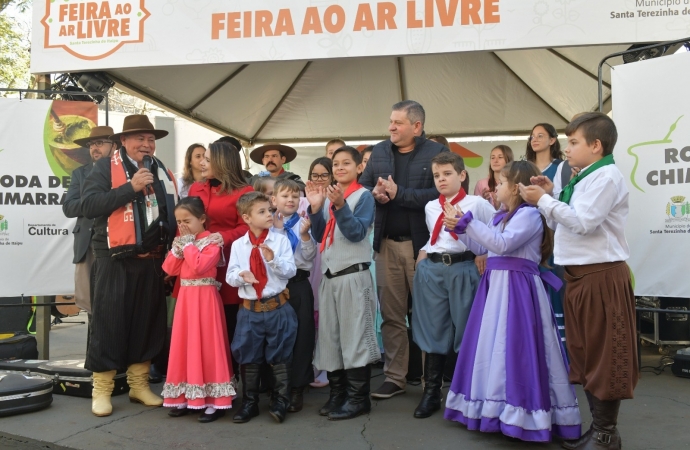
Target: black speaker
[{"x": 15, "y": 318}]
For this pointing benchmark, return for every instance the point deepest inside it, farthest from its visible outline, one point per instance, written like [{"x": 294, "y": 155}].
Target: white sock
[
  {"x": 210, "y": 410},
  {"x": 181, "y": 406},
  {"x": 323, "y": 377}
]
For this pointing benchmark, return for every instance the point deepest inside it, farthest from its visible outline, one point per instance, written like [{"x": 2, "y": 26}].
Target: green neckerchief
[{"x": 567, "y": 192}]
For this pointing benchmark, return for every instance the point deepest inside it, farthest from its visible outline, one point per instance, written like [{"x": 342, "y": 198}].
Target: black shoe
[
  {"x": 387, "y": 390},
  {"x": 206, "y": 418},
  {"x": 178, "y": 412},
  {"x": 358, "y": 401},
  {"x": 155, "y": 376},
  {"x": 433, "y": 379},
  {"x": 296, "y": 399},
  {"x": 250, "y": 374},
  {"x": 280, "y": 398},
  {"x": 338, "y": 383}
]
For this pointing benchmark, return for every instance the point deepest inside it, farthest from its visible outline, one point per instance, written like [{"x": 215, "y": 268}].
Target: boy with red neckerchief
[
  {"x": 446, "y": 279},
  {"x": 342, "y": 217},
  {"x": 599, "y": 305},
  {"x": 261, "y": 263}
]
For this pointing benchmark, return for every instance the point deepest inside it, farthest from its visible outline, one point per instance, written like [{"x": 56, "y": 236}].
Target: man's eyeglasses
[
  {"x": 99, "y": 143},
  {"x": 320, "y": 176}
]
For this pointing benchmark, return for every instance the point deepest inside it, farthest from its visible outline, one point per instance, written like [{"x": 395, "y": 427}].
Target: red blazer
[{"x": 224, "y": 218}]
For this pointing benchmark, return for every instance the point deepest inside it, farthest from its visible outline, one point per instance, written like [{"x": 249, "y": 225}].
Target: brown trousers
[
  {"x": 394, "y": 275},
  {"x": 599, "y": 311}
]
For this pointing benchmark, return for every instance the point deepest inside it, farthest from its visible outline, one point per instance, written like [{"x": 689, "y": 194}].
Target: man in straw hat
[
  {"x": 273, "y": 156},
  {"x": 100, "y": 146},
  {"x": 131, "y": 197}
]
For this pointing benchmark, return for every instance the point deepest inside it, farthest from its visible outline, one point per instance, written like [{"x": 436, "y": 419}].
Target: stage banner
[
  {"x": 653, "y": 152},
  {"x": 109, "y": 34},
  {"x": 37, "y": 156}
]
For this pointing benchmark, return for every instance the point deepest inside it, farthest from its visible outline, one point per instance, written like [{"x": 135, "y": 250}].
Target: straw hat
[
  {"x": 138, "y": 123},
  {"x": 257, "y": 155},
  {"x": 96, "y": 134}
]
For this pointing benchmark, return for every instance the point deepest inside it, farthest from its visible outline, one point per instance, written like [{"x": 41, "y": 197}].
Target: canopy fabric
[{"x": 464, "y": 94}]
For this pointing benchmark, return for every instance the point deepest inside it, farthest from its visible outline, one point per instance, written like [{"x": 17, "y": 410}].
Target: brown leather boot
[
  {"x": 571, "y": 445},
  {"x": 604, "y": 433}
]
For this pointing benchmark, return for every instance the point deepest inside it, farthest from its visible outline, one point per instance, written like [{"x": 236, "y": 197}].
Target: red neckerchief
[
  {"x": 439, "y": 221},
  {"x": 256, "y": 263},
  {"x": 281, "y": 171},
  {"x": 330, "y": 226}
]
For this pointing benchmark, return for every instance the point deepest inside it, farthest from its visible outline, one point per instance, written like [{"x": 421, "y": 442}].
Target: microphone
[{"x": 148, "y": 162}]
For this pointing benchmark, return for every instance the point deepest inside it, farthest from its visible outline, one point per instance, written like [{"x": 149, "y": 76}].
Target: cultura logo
[
  {"x": 93, "y": 30},
  {"x": 3, "y": 223},
  {"x": 677, "y": 207}
]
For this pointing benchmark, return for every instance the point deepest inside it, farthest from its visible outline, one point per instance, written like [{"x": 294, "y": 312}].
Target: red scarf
[
  {"x": 330, "y": 226},
  {"x": 256, "y": 263},
  {"x": 439, "y": 221}
]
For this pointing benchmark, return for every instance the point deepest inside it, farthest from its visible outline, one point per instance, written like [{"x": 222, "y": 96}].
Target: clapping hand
[
  {"x": 451, "y": 216},
  {"x": 390, "y": 187},
  {"x": 305, "y": 226},
  {"x": 316, "y": 196},
  {"x": 278, "y": 220},
  {"x": 543, "y": 182},
  {"x": 267, "y": 252},
  {"x": 335, "y": 195},
  {"x": 379, "y": 192},
  {"x": 248, "y": 277}
]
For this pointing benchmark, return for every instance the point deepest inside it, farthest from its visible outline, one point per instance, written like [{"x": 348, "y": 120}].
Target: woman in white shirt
[{"x": 192, "y": 169}]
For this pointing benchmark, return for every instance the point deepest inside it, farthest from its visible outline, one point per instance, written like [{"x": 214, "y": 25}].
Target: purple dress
[{"x": 512, "y": 375}]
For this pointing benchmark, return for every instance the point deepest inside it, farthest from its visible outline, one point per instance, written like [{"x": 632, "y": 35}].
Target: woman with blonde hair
[{"x": 192, "y": 169}]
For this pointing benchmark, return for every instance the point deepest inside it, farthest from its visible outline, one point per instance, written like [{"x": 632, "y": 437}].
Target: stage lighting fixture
[
  {"x": 94, "y": 82},
  {"x": 642, "y": 55}
]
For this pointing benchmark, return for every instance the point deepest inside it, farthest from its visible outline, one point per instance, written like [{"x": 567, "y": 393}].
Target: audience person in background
[
  {"x": 332, "y": 146},
  {"x": 366, "y": 154},
  {"x": 486, "y": 187},
  {"x": 273, "y": 156},
  {"x": 100, "y": 146},
  {"x": 133, "y": 228},
  {"x": 321, "y": 174},
  {"x": 399, "y": 177},
  {"x": 544, "y": 149},
  {"x": 443, "y": 141},
  {"x": 224, "y": 184},
  {"x": 264, "y": 185},
  {"x": 192, "y": 168}
]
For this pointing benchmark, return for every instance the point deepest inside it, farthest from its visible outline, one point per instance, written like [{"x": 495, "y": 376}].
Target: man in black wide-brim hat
[
  {"x": 131, "y": 197},
  {"x": 273, "y": 156}
]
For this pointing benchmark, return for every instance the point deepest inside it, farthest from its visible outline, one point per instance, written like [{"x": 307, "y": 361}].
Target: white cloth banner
[
  {"x": 107, "y": 34},
  {"x": 36, "y": 160},
  {"x": 651, "y": 106}
]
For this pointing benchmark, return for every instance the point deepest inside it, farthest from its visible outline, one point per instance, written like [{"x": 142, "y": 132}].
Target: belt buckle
[
  {"x": 604, "y": 438},
  {"x": 446, "y": 259},
  {"x": 264, "y": 306}
]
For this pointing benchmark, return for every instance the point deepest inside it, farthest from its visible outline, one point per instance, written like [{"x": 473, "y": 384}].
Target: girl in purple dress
[{"x": 512, "y": 375}]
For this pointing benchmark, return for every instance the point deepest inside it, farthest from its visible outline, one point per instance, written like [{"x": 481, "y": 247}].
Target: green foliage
[{"x": 14, "y": 47}]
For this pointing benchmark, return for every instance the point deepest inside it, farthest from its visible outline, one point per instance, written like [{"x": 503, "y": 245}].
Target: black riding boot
[
  {"x": 280, "y": 396},
  {"x": 250, "y": 374},
  {"x": 358, "y": 401},
  {"x": 337, "y": 381},
  {"x": 296, "y": 399},
  {"x": 571, "y": 445},
  {"x": 604, "y": 433},
  {"x": 433, "y": 380}
]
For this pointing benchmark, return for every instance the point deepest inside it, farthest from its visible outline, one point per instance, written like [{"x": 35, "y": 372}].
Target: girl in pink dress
[{"x": 199, "y": 371}]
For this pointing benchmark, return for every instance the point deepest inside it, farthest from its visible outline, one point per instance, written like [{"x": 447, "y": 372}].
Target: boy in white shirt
[
  {"x": 599, "y": 304},
  {"x": 261, "y": 263},
  {"x": 445, "y": 280},
  {"x": 287, "y": 221}
]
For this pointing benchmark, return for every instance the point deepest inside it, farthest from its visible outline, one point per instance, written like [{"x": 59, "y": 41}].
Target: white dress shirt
[
  {"x": 305, "y": 252},
  {"x": 591, "y": 229},
  {"x": 481, "y": 210},
  {"x": 279, "y": 270}
]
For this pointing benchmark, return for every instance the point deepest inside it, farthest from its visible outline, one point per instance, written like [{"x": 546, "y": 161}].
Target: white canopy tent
[
  {"x": 311, "y": 70},
  {"x": 464, "y": 94}
]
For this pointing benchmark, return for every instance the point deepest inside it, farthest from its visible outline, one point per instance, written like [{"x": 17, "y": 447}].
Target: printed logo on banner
[
  {"x": 4, "y": 226},
  {"x": 678, "y": 208},
  {"x": 93, "y": 30}
]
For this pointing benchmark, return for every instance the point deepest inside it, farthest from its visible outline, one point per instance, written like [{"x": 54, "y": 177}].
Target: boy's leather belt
[
  {"x": 348, "y": 270},
  {"x": 451, "y": 258},
  {"x": 399, "y": 238},
  {"x": 266, "y": 304}
]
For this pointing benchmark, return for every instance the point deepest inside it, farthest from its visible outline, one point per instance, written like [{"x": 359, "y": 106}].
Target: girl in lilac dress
[{"x": 512, "y": 375}]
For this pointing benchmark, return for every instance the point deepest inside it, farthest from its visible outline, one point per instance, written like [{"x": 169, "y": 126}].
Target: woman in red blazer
[{"x": 224, "y": 185}]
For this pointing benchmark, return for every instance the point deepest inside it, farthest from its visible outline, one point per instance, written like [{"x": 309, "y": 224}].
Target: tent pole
[{"x": 401, "y": 79}]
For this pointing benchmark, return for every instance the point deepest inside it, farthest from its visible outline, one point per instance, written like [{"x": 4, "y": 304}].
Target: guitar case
[
  {"x": 69, "y": 376},
  {"x": 22, "y": 393}
]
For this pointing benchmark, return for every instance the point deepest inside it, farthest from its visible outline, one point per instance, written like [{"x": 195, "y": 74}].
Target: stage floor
[{"x": 656, "y": 418}]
